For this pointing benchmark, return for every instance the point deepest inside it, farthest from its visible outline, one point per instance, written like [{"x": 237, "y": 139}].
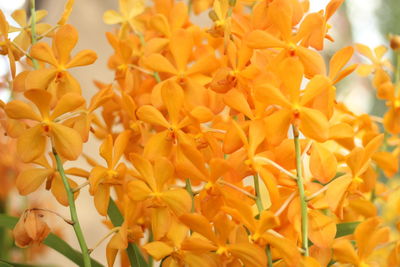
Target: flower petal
[
  {"x": 67, "y": 141},
  {"x": 83, "y": 58},
  {"x": 31, "y": 144},
  {"x": 29, "y": 180},
  {"x": 65, "y": 40}
]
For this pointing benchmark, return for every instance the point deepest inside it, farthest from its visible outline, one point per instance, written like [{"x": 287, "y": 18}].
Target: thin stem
[
  {"x": 72, "y": 209},
  {"x": 269, "y": 255},
  {"x": 237, "y": 188},
  {"x": 47, "y": 32},
  {"x": 55, "y": 213},
  {"x": 21, "y": 50},
  {"x": 285, "y": 204},
  {"x": 258, "y": 195},
  {"x": 189, "y": 189},
  {"x": 319, "y": 192},
  {"x": 114, "y": 230},
  {"x": 33, "y": 31},
  {"x": 276, "y": 165},
  {"x": 79, "y": 187},
  {"x": 300, "y": 185},
  {"x": 260, "y": 209}
]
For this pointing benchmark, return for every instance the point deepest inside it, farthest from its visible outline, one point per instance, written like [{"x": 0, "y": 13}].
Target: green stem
[
  {"x": 269, "y": 255},
  {"x": 33, "y": 31},
  {"x": 4, "y": 235},
  {"x": 74, "y": 215},
  {"x": 258, "y": 195},
  {"x": 300, "y": 185},
  {"x": 189, "y": 189},
  {"x": 260, "y": 209}
]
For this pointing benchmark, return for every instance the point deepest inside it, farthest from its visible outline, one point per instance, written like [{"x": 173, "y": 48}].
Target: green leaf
[
  {"x": 346, "y": 228},
  {"x": 4, "y": 263},
  {"x": 52, "y": 241},
  {"x": 134, "y": 255}
]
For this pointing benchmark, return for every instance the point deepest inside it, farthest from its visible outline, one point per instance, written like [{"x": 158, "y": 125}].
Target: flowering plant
[{"x": 222, "y": 146}]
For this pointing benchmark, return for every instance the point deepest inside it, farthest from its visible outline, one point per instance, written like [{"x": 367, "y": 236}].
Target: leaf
[
  {"x": 135, "y": 257},
  {"x": 346, "y": 228},
  {"x": 52, "y": 241}
]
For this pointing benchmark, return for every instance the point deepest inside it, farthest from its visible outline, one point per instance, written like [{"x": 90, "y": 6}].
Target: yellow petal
[
  {"x": 344, "y": 252},
  {"x": 42, "y": 99},
  {"x": 66, "y": 13},
  {"x": 112, "y": 17},
  {"x": 67, "y": 141},
  {"x": 160, "y": 222},
  {"x": 198, "y": 223}
]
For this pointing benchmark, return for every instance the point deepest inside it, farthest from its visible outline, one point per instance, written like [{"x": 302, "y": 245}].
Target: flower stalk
[
  {"x": 72, "y": 209},
  {"x": 300, "y": 186}
]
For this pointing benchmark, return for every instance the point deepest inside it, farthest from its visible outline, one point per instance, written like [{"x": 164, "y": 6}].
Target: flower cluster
[{"x": 222, "y": 146}]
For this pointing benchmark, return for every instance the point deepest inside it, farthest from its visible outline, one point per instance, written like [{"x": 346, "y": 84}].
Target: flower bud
[
  {"x": 30, "y": 229},
  {"x": 395, "y": 42}
]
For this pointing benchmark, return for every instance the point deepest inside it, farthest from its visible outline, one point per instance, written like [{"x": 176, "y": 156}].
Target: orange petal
[
  {"x": 314, "y": 124},
  {"x": 322, "y": 229},
  {"x": 67, "y": 103},
  {"x": 158, "y": 250},
  {"x": 198, "y": 223},
  {"x": 261, "y": 39},
  {"x": 343, "y": 251},
  {"x": 368, "y": 235},
  {"x": 40, "y": 79},
  {"x": 277, "y": 126},
  {"x": 160, "y": 222},
  {"x": 181, "y": 45},
  {"x": 251, "y": 255},
  {"x": 17, "y": 109},
  {"x": 338, "y": 61},
  {"x": 43, "y": 52},
  {"x": 31, "y": 144},
  {"x": 152, "y": 115},
  {"x": 178, "y": 200},
  {"x": 41, "y": 98},
  {"x": 138, "y": 190},
  {"x": 144, "y": 167},
  {"x": 102, "y": 198},
  {"x": 58, "y": 189},
  {"x": 323, "y": 163},
  {"x": 270, "y": 95},
  {"x": 173, "y": 98},
  {"x": 64, "y": 41},
  {"x": 119, "y": 146},
  {"x": 29, "y": 180},
  {"x": 163, "y": 171},
  {"x": 159, "y": 63},
  {"x": 236, "y": 100},
  {"x": 312, "y": 61},
  {"x": 83, "y": 58},
  {"x": 67, "y": 141}
]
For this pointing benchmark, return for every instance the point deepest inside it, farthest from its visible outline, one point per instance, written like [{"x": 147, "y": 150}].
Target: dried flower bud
[
  {"x": 30, "y": 228},
  {"x": 395, "y": 42}
]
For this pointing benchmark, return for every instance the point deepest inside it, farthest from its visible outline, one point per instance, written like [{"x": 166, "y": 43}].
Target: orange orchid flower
[
  {"x": 57, "y": 79},
  {"x": 23, "y": 39},
  {"x": 311, "y": 122},
  {"x": 29, "y": 180},
  {"x": 153, "y": 187},
  {"x": 101, "y": 179},
  {"x": 32, "y": 143},
  {"x": 368, "y": 235},
  {"x": 216, "y": 238}
]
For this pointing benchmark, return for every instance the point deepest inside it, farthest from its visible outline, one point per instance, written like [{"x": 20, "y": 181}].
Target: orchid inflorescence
[{"x": 222, "y": 146}]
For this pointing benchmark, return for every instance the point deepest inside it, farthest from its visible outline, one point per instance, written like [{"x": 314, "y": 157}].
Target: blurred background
[{"x": 358, "y": 21}]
